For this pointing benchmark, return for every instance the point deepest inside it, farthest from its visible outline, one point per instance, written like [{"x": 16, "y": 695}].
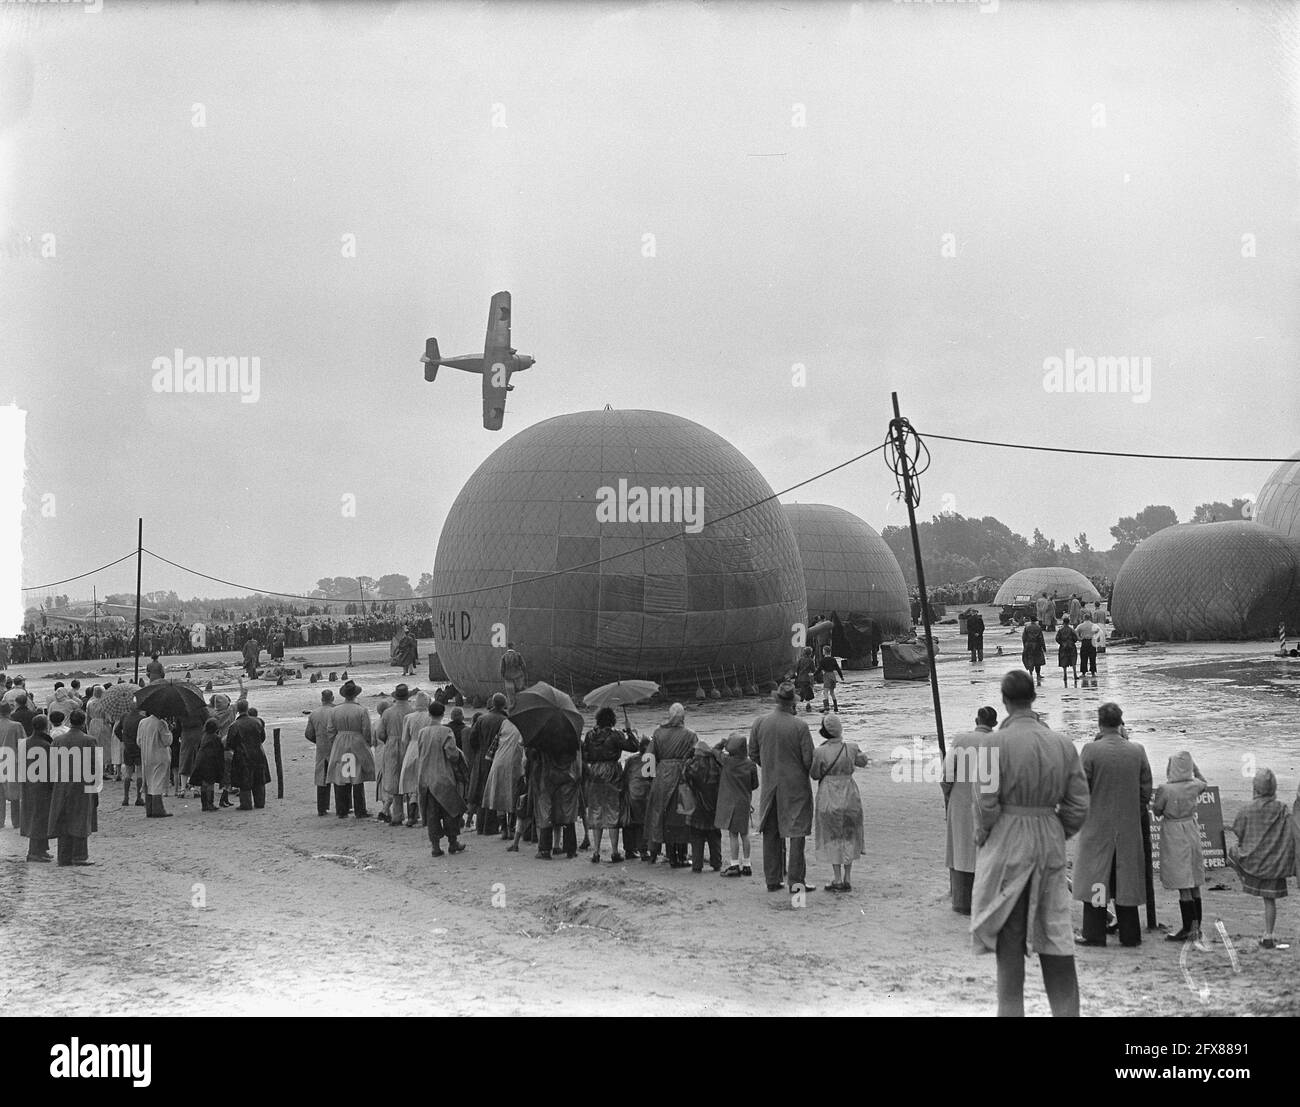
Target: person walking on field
[
  {"x": 1087, "y": 632},
  {"x": 1182, "y": 866},
  {"x": 782, "y": 747},
  {"x": 1034, "y": 648},
  {"x": 1066, "y": 654},
  {"x": 1045, "y": 609},
  {"x": 1110, "y": 862},
  {"x": 1020, "y": 902},
  {"x": 831, "y": 673}
]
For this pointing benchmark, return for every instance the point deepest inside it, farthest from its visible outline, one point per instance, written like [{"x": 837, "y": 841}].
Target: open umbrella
[
  {"x": 547, "y": 719},
  {"x": 119, "y": 700},
  {"x": 620, "y": 694},
  {"x": 172, "y": 699}
]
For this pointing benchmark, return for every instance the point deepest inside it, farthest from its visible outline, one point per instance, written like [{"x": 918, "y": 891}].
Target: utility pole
[
  {"x": 139, "y": 558},
  {"x": 899, "y": 427}
]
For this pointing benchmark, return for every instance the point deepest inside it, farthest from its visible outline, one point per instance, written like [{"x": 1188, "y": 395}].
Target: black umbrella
[
  {"x": 548, "y": 720},
  {"x": 172, "y": 699}
]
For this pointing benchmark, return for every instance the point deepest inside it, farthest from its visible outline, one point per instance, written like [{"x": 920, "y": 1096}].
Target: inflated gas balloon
[{"x": 589, "y": 542}]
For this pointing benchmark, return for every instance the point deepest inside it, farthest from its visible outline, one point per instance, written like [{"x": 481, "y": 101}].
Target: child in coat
[
  {"x": 735, "y": 802},
  {"x": 637, "y": 786},
  {"x": 1264, "y": 855},
  {"x": 1182, "y": 867}
]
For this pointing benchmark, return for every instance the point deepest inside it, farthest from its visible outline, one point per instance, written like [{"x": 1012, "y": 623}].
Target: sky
[{"x": 688, "y": 202}]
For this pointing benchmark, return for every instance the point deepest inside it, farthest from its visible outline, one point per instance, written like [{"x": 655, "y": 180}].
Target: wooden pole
[
  {"x": 139, "y": 557},
  {"x": 900, "y": 443},
  {"x": 279, "y": 765},
  {"x": 1150, "y": 876}
]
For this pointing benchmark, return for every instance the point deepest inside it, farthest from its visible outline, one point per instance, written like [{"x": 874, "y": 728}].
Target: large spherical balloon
[
  {"x": 1208, "y": 581},
  {"x": 1278, "y": 503},
  {"x": 848, "y": 569},
  {"x": 636, "y": 581}
]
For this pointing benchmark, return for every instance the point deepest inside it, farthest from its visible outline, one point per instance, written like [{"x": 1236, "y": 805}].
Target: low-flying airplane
[{"x": 498, "y": 363}]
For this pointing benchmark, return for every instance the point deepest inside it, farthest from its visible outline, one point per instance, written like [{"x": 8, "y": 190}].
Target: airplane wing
[{"x": 496, "y": 361}]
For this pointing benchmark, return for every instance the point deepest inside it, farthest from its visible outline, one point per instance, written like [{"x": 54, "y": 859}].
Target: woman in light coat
[
  {"x": 408, "y": 747},
  {"x": 155, "y": 739},
  {"x": 837, "y": 812}
]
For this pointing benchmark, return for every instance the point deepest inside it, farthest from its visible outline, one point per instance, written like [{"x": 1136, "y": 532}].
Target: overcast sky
[{"x": 1117, "y": 179}]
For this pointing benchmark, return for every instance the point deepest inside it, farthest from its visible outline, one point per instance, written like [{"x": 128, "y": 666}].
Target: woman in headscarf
[
  {"x": 672, "y": 745},
  {"x": 1182, "y": 866},
  {"x": 837, "y": 813},
  {"x": 1264, "y": 855},
  {"x": 602, "y": 752},
  {"x": 500, "y": 786},
  {"x": 457, "y": 725},
  {"x": 223, "y": 711},
  {"x": 409, "y": 755}
]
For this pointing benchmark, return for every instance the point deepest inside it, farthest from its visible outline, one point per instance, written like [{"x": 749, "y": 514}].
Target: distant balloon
[{"x": 566, "y": 494}]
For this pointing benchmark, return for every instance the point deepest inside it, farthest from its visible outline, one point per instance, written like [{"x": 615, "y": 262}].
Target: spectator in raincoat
[
  {"x": 1111, "y": 862},
  {"x": 960, "y": 789},
  {"x": 1264, "y": 853},
  {"x": 249, "y": 771},
  {"x": 671, "y": 746},
  {"x": 408, "y": 782},
  {"x": 351, "y": 763},
  {"x": 73, "y": 807},
  {"x": 602, "y": 751},
  {"x": 209, "y": 765},
  {"x": 1034, "y": 648},
  {"x": 1182, "y": 866},
  {"x": 704, "y": 774},
  {"x": 317, "y": 733},
  {"x": 442, "y": 780},
  {"x": 782, "y": 747},
  {"x": 35, "y": 825},
  {"x": 1020, "y": 903},
  {"x": 155, "y": 738}
]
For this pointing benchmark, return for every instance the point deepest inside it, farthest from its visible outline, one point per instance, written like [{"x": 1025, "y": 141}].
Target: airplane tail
[{"x": 431, "y": 359}]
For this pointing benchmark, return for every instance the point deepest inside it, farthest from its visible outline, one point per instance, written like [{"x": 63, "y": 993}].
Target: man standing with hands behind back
[
  {"x": 781, "y": 746},
  {"x": 1021, "y": 901}
]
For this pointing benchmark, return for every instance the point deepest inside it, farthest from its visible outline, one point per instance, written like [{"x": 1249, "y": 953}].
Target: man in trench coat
[
  {"x": 781, "y": 746},
  {"x": 1111, "y": 860},
  {"x": 317, "y": 733},
  {"x": 1020, "y": 902},
  {"x": 74, "y": 801}
]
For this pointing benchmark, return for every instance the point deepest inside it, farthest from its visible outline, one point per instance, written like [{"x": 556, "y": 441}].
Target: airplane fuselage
[{"x": 473, "y": 363}]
